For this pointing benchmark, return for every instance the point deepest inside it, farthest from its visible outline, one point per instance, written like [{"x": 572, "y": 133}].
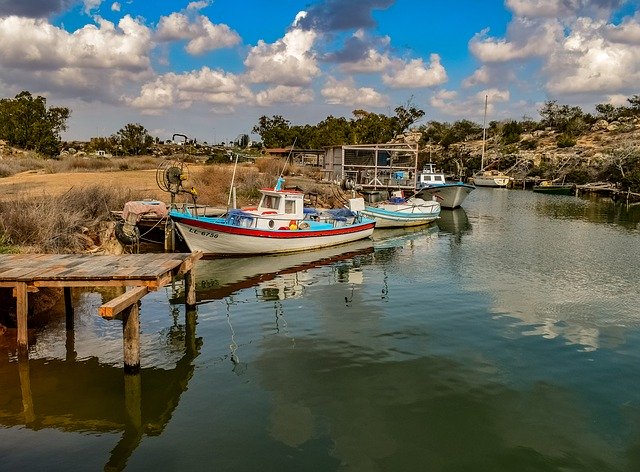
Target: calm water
[{"x": 506, "y": 338}]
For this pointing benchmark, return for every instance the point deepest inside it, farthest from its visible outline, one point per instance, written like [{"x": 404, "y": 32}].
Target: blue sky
[{"x": 210, "y": 69}]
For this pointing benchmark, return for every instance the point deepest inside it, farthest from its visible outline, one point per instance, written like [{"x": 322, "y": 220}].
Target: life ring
[{"x": 269, "y": 213}]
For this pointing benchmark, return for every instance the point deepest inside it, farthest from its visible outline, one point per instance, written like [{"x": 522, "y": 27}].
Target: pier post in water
[
  {"x": 190, "y": 289},
  {"x": 20, "y": 292},
  {"x": 131, "y": 338}
]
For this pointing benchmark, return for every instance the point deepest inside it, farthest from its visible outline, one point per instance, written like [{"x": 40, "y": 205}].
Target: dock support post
[
  {"x": 68, "y": 309},
  {"x": 20, "y": 292},
  {"x": 131, "y": 338},
  {"x": 190, "y": 289},
  {"x": 169, "y": 236}
]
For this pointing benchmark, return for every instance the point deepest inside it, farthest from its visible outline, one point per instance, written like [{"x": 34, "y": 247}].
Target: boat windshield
[{"x": 270, "y": 201}]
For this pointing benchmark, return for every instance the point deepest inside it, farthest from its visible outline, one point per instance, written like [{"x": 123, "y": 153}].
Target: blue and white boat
[
  {"x": 432, "y": 184},
  {"x": 398, "y": 212},
  {"x": 279, "y": 224}
]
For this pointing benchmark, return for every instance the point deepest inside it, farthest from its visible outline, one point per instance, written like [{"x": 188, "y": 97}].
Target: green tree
[
  {"x": 274, "y": 131},
  {"x": 511, "y": 132},
  {"x": 635, "y": 104},
  {"x": 333, "y": 131},
  {"x": 607, "y": 111},
  {"x": 564, "y": 118},
  {"x": 371, "y": 127},
  {"x": 133, "y": 139},
  {"x": 26, "y": 122},
  {"x": 406, "y": 116}
]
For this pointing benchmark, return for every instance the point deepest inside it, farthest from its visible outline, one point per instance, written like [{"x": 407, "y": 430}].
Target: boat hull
[
  {"x": 448, "y": 195},
  {"x": 401, "y": 216},
  {"x": 555, "y": 189},
  {"x": 214, "y": 237},
  {"x": 491, "y": 179}
]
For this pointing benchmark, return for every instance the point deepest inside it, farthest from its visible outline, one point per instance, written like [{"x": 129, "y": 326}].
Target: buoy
[{"x": 292, "y": 225}]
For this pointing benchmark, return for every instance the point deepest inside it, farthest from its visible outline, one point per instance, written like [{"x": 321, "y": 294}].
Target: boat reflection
[
  {"x": 278, "y": 276},
  {"x": 591, "y": 209},
  {"x": 86, "y": 395},
  {"x": 454, "y": 222}
]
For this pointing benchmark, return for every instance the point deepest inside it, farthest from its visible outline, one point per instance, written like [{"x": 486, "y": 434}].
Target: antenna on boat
[
  {"x": 484, "y": 131},
  {"x": 288, "y": 156},
  {"x": 233, "y": 177}
]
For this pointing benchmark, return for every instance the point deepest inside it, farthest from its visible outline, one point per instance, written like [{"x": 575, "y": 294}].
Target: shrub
[{"x": 565, "y": 141}]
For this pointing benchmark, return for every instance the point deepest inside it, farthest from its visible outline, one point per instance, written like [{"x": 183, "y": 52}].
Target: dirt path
[{"x": 27, "y": 184}]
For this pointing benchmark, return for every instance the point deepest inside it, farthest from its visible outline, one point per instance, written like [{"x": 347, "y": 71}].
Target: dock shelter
[{"x": 373, "y": 166}]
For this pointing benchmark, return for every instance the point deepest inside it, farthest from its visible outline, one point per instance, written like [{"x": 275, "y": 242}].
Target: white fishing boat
[
  {"x": 491, "y": 178},
  {"x": 400, "y": 212},
  {"x": 279, "y": 224},
  {"x": 433, "y": 185},
  {"x": 488, "y": 178}
]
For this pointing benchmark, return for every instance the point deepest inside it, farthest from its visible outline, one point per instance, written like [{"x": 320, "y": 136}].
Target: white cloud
[
  {"x": 449, "y": 102},
  {"x": 35, "y": 44},
  {"x": 198, "y": 5},
  {"x": 527, "y": 39},
  {"x": 288, "y": 61},
  {"x": 535, "y": 8},
  {"x": 115, "y": 6},
  {"x": 90, "y": 5},
  {"x": 372, "y": 62},
  {"x": 587, "y": 62},
  {"x": 346, "y": 93},
  {"x": 416, "y": 74},
  {"x": 282, "y": 94},
  {"x": 202, "y": 34},
  {"x": 628, "y": 32},
  {"x": 479, "y": 76},
  {"x": 170, "y": 90}
]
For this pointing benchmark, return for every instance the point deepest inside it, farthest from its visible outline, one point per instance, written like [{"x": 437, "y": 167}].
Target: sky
[{"x": 210, "y": 69}]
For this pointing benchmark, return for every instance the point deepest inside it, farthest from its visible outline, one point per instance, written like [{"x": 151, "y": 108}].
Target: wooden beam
[
  {"x": 188, "y": 264},
  {"x": 68, "y": 309},
  {"x": 112, "y": 308}
]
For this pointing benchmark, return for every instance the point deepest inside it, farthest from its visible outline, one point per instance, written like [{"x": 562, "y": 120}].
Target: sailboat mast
[{"x": 484, "y": 132}]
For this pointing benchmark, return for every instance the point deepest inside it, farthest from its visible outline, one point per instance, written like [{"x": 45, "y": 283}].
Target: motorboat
[
  {"x": 279, "y": 224},
  {"x": 433, "y": 185}
]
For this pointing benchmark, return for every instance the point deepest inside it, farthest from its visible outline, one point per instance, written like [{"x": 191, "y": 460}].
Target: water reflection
[
  {"x": 548, "y": 262},
  {"x": 91, "y": 397},
  {"x": 592, "y": 209},
  {"x": 454, "y": 222},
  {"x": 383, "y": 415},
  {"x": 276, "y": 277}
]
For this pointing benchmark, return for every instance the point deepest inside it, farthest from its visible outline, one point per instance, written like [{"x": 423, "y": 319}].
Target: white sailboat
[{"x": 488, "y": 178}]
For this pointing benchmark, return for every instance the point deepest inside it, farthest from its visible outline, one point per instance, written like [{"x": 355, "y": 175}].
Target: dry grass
[
  {"x": 17, "y": 164},
  {"x": 66, "y": 224},
  {"x": 214, "y": 182}
]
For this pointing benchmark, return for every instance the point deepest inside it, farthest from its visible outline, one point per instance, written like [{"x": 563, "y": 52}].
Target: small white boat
[
  {"x": 399, "y": 212},
  {"x": 279, "y": 224},
  {"x": 433, "y": 185},
  {"x": 491, "y": 178},
  {"x": 488, "y": 178}
]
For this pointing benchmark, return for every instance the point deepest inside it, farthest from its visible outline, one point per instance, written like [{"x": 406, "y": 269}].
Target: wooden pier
[{"x": 142, "y": 273}]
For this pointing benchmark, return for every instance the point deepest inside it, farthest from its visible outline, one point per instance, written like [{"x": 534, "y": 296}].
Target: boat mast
[{"x": 484, "y": 132}]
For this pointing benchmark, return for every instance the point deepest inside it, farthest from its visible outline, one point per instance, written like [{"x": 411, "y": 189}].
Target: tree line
[{"x": 26, "y": 122}]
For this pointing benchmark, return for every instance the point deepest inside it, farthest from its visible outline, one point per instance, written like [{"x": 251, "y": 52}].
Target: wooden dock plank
[{"x": 74, "y": 267}]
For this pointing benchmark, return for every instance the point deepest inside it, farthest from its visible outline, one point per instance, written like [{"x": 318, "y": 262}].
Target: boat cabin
[
  {"x": 288, "y": 204},
  {"x": 429, "y": 177}
]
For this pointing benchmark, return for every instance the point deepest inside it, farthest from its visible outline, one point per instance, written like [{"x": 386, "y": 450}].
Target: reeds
[{"x": 65, "y": 224}]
